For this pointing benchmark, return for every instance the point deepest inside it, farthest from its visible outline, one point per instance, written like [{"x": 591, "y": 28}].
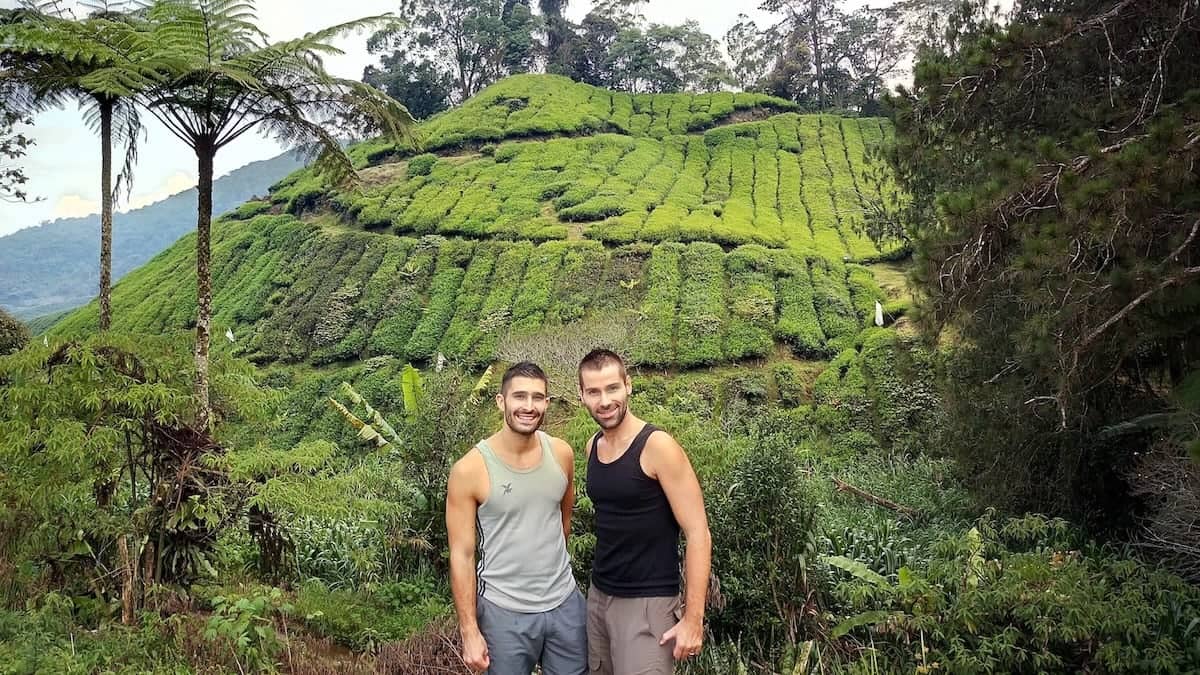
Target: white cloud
[
  {"x": 74, "y": 206},
  {"x": 176, "y": 182}
]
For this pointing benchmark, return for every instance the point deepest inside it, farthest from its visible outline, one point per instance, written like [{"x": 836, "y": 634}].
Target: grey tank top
[{"x": 523, "y": 562}]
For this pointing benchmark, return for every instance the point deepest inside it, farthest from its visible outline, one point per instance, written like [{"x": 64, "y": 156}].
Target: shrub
[
  {"x": 751, "y": 303},
  {"x": 764, "y": 541},
  {"x": 421, "y": 165},
  {"x": 1020, "y": 596},
  {"x": 701, "y": 305},
  {"x": 13, "y": 334},
  {"x": 799, "y": 324},
  {"x": 653, "y": 342}
]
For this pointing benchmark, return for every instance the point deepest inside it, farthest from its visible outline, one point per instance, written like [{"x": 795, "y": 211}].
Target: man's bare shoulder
[
  {"x": 562, "y": 449},
  {"x": 660, "y": 441},
  {"x": 662, "y": 451},
  {"x": 469, "y": 468}
]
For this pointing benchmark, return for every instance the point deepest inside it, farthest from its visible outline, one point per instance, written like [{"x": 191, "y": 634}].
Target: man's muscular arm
[
  {"x": 670, "y": 465},
  {"x": 461, "y": 506},
  {"x": 566, "y": 459}
]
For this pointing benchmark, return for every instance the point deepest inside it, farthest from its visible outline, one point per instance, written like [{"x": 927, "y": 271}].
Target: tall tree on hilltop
[
  {"x": 1055, "y": 216},
  {"x": 473, "y": 42},
  {"x": 816, "y": 21},
  {"x": 227, "y": 79},
  {"x": 559, "y": 35},
  {"x": 616, "y": 48},
  {"x": 47, "y": 57},
  {"x": 415, "y": 83}
]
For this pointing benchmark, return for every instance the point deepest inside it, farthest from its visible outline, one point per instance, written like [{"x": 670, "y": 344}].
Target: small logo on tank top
[{"x": 507, "y": 488}]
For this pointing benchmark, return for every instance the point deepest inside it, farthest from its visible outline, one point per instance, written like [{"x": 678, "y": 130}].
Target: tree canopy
[{"x": 1056, "y": 218}]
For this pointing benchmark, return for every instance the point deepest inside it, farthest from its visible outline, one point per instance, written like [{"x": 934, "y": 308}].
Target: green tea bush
[
  {"x": 751, "y": 297},
  {"x": 496, "y": 312},
  {"x": 533, "y": 298},
  {"x": 462, "y": 332},
  {"x": 701, "y": 305},
  {"x": 248, "y": 210},
  {"x": 798, "y": 325},
  {"x": 832, "y": 302},
  {"x": 421, "y": 165},
  {"x": 653, "y": 342},
  {"x": 401, "y": 311}
]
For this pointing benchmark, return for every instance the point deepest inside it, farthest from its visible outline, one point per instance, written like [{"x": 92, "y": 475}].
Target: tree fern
[{"x": 213, "y": 76}]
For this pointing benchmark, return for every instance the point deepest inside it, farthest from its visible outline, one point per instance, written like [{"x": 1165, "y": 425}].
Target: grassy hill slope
[{"x": 715, "y": 246}]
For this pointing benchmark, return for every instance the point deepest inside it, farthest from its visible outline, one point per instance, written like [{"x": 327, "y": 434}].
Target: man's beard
[
  {"x": 519, "y": 427},
  {"x": 615, "y": 421}
]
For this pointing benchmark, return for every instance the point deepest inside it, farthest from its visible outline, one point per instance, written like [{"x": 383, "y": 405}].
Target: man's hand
[
  {"x": 689, "y": 637},
  {"x": 475, "y": 651}
]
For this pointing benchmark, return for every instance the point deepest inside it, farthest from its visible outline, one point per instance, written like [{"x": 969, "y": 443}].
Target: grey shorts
[
  {"x": 517, "y": 641},
  {"x": 623, "y": 634}
]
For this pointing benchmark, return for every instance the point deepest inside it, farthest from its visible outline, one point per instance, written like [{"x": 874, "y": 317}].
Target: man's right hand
[{"x": 475, "y": 651}]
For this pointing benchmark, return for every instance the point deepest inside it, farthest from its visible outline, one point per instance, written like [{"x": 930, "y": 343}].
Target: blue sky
[{"x": 64, "y": 165}]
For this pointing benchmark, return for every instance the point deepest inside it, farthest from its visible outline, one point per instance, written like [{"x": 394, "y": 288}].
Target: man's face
[
  {"x": 605, "y": 393},
  {"x": 523, "y": 404}
]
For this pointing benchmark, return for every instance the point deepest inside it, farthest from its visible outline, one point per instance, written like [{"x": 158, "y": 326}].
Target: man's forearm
[
  {"x": 462, "y": 585},
  {"x": 697, "y": 565}
]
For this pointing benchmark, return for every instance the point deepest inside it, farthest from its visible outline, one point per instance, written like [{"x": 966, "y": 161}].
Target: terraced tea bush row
[
  {"x": 533, "y": 105},
  {"x": 788, "y": 181},
  {"x": 289, "y": 291}
]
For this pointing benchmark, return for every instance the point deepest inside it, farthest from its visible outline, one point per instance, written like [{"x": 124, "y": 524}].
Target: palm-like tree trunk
[
  {"x": 205, "y": 150},
  {"x": 106, "y": 212}
]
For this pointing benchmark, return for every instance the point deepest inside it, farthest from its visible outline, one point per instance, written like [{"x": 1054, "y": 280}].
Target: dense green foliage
[
  {"x": 1055, "y": 216},
  {"x": 637, "y": 174},
  {"x": 1018, "y": 596},
  {"x": 13, "y": 334},
  {"x": 104, "y": 491},
  {"x": 727, "y": 263},
  {"x": 547, "y": 105}
]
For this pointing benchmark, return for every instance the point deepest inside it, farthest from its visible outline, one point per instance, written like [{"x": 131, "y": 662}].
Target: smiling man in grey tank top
[{"x": 511, "y": 496}]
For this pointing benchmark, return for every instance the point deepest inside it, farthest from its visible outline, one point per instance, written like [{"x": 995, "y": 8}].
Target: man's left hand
[{"x": 689, "y": 637}]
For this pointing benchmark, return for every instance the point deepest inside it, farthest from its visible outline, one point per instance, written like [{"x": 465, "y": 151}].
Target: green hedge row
[
  {"x": 792, "y": 181},
  {"x": 702, "y": 306},
  {"x": 752, "y": 303},
  {"x": 534, "y": 106},
  {"x": 653, "y": 342},
  {"x": 296, "y": 292}
]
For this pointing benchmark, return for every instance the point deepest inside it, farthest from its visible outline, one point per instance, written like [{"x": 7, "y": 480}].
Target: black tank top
[{"x": 637, "y": 536}]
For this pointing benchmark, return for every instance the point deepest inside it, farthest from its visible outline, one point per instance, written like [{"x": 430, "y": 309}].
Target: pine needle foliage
[{"x": 1055, "y": 216}]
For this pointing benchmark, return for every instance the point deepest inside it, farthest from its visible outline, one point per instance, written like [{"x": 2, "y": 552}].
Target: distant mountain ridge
[{"x": 56, "y": 266}]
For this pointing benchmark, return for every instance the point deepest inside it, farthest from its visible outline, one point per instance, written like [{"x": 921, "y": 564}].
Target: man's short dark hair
[
  {"x": 597, "y": 359},
  {"x": 523, "y": 369}
]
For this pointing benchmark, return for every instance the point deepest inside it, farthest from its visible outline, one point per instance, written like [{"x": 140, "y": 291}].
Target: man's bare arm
[
  {"x": 461, "y": 507},
  {"x": 670, "y": 465},
  {"x": 566, "y": 459}
]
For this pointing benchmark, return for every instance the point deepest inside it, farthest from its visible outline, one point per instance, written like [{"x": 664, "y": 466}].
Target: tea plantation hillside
[{"x": 717, "y": 244}]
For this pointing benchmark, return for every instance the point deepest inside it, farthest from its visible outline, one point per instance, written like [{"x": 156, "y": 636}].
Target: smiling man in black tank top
[{"x": 645, "y": 492}]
